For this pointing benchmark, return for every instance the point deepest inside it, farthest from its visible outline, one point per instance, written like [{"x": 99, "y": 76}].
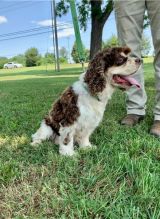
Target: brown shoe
[
  {"x": 155, "y": 129},
  {"x": 131, "y": 119}
]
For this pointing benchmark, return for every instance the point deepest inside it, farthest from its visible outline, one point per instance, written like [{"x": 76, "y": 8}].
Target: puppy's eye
[{"x": 121, "y": 60}]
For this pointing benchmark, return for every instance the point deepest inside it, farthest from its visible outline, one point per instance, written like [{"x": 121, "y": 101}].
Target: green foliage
[
  {"x": 3, "y": 60},
  {"x": 87, "y": 54},
  {"x": 145, "y": 46},
  {"x": 32, "y": 57},
  {"x": 21, "y": 59},
  {"x": 85, "y": 9},
  {"x": 39, "y": 60},
  {"x": 62, "y": 7},
  {"x": 49, "y": 58},
  {"x": 75, "y": 56},
  {"x": 111, "y": 42},
  {"x": 63, "y": 52},
  {"x": 146, "y": 22},
  {"x": 63, "y": 60},
  {"x": 74, "y": 53}
]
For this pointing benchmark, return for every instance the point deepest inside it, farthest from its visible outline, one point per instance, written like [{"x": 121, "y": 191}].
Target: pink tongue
[{"x": 132, "y": 81}]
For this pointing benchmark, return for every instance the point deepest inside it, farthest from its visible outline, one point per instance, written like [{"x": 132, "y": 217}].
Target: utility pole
[
  {"x": 56, "y": 36},
  {"x": 53, "y": 37}
]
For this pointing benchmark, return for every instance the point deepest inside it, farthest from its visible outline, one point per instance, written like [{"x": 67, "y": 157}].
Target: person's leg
[
  {"x": 129, "y": 17},
  {"x": 153, "y": 7}
]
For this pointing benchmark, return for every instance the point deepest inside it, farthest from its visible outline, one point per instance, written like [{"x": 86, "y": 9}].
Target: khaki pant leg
[
  {"x": 129, "y": 18},
  {"x": 153, "y": 7}
]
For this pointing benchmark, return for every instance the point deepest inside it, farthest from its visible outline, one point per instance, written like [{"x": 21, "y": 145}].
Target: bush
[
  {"x": 62, "y": 60},
  {"x": 49, "y": 58},
  {"x": 21, "y": 59},
  {"x": 75, "y": 55},
  {"x": 3, "y": 60},
  {"x": 111, "y": 42},
  {"x": 32, "y": 57}
]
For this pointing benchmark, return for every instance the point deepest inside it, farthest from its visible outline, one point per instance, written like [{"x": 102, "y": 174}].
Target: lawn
[{"x": 119, "y": 180}]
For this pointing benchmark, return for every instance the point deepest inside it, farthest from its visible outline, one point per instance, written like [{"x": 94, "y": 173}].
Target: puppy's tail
[{"x": 43, "y": 133}]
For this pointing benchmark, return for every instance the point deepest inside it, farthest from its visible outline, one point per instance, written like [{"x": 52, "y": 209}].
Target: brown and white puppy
[{"x": 79, "y": 110}]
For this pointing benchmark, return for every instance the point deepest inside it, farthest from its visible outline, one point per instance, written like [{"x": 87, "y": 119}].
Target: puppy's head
[
  {"x": 120, "y": 67},
  {"x": 111, "y": 66}
]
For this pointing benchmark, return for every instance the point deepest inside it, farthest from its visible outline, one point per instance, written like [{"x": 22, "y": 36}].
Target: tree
[
  {"x": 63, "y": 52},
  {"x": 145, "y": 46},
  {"x": 19, "y": 59},
  {"x": 63, "y": 60},
  {"x": 75, "y": 56},
  {"x": 87, "y": 55},
  {"x": 99, "y": 11},
  {"x": 3, "y": 60},
  {"x": 32, "y": 57},
  {"x": 74, "y": 53},
  {"x": 111, "y": 42},
  {"x": 49, "y": 58}
]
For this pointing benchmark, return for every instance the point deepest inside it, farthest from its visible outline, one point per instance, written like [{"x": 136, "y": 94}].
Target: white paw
[{"x": 67, "y": 152}]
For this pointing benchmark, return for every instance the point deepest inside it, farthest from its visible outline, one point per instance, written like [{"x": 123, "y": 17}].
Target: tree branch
[
  {"x": 62, "y": 7},
  {"x": 107, "y": 11}
]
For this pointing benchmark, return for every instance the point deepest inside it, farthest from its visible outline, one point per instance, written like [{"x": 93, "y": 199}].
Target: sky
[{"x": 27, "y": 15}]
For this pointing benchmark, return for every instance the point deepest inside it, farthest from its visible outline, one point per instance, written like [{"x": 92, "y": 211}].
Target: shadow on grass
[
  {"x": 21, "y": 161},
  {"x": 24, "y": 152}
]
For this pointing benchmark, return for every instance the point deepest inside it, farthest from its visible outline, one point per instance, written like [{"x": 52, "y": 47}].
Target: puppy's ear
[
  {"x": 95, "y": 75},
  {"x": 126, "y": 50}
]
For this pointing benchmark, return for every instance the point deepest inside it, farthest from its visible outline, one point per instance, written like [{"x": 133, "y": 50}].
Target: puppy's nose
[{"x": 138, "y": 61}]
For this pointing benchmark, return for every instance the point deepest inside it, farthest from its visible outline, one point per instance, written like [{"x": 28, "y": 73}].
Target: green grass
[{"x": 119, "y": 180}]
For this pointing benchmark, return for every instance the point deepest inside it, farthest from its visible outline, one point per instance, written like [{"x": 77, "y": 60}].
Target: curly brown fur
[
  {"x": 64, "y": 112},
  {"x": 95, "y": 75}
]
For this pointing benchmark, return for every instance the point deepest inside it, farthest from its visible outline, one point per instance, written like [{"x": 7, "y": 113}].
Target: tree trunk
[
  {"x": 96, "y": 37},
  {"x": 98, "y": 18}
]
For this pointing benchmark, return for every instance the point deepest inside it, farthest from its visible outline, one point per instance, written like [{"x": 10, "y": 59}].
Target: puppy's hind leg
[{"x": 43, "y": 133}]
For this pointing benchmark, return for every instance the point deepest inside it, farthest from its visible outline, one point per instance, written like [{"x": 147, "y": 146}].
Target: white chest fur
[{"x": 91, "y": 109}]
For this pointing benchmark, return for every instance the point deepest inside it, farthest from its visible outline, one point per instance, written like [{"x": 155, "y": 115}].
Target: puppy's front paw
[{"x": 67, "y": 152}]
